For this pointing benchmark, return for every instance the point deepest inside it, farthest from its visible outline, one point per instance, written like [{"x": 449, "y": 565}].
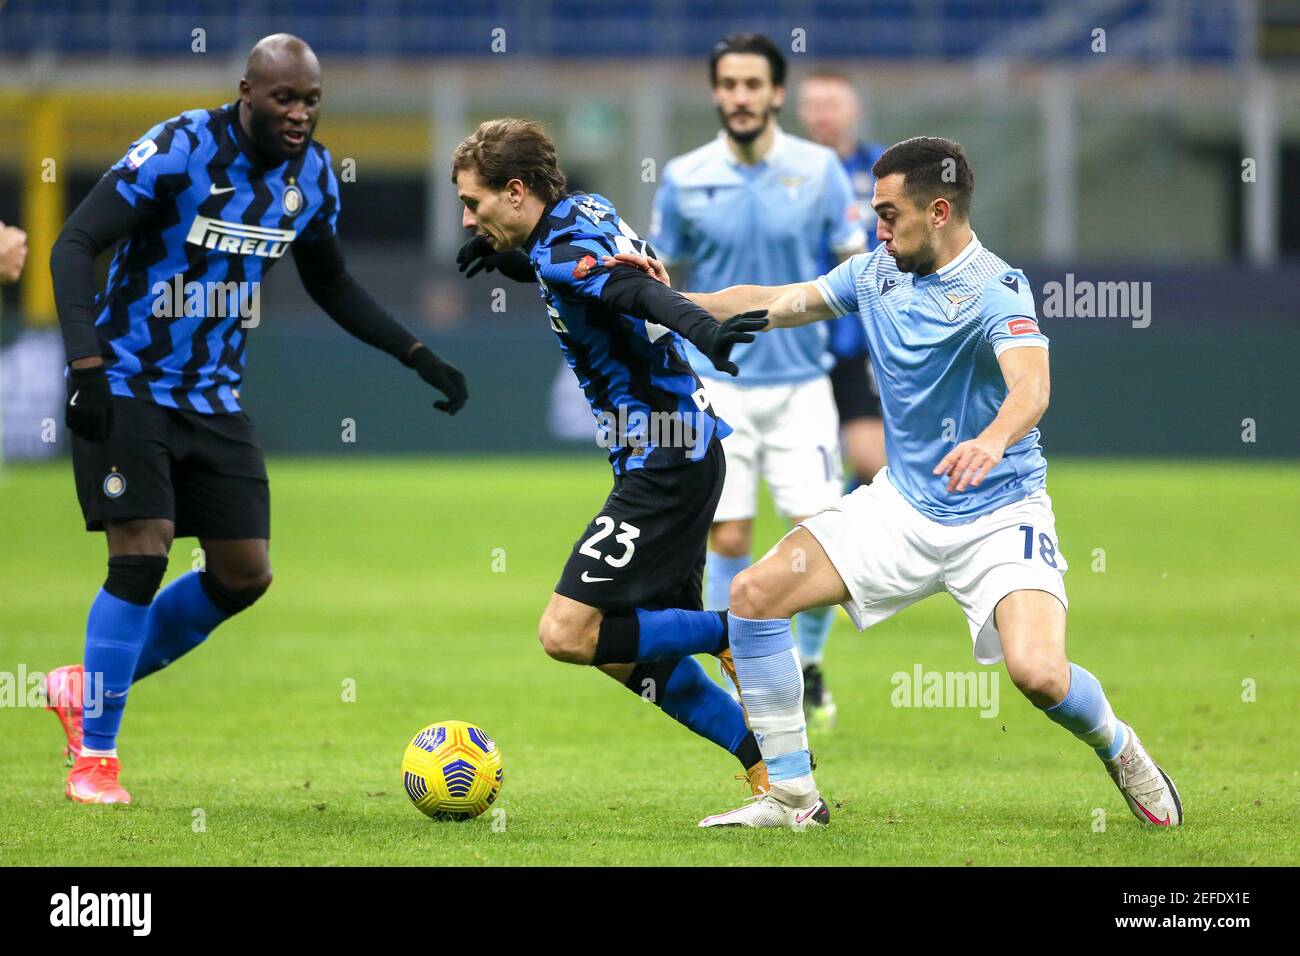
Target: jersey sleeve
[
  {"x": 1008, "y": 315},
  {"x": 575, "y": 267},
  {"x": 844, "y": 231},
  {"x": 666, "y": 226},
  {"x": 839, "y": 286},
  {"x": 156, "y": 167},
  {"x": 325, "y": 221}
]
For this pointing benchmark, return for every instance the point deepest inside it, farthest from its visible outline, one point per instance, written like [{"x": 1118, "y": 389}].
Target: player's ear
[
  {"x": 245, "y": 90},
  {"x": 515, "y": 190},
  {"x": 940, "y": 212},
  {"x": 778, "y": 97}
]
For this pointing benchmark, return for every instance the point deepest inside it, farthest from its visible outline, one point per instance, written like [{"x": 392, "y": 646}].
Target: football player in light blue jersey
[
  {"x": 962, "y": 505},
  {"x": 757, "y": 205}
]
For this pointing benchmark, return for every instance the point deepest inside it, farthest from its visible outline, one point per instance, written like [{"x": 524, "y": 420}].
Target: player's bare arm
[
  {"x": 787, "y": 306},
  {"x": 1025, "y": 371}
]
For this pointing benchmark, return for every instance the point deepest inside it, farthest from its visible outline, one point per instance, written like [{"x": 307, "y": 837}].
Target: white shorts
[
  {"x": 891, "y": 556},
  {"x": 788, "y": 434}
]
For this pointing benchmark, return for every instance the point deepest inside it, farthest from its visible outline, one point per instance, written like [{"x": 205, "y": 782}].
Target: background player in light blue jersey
[
  {"x": 757, "y": 205},
  {"x": 962, "y": 506},
  {"x": 830, "y": 112}
]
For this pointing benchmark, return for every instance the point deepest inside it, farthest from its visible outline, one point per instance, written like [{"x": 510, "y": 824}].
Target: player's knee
[
  {"x": 731, "y": 538},
  {"x": 1042, "y": 680},
  {"x": 252, "y": 580},
  {"x": 135, "y": 578},
  {"x": 259, "y": 583},
  {"x": 235, "y": 590},
  {"x": 749, "y": 597},
  {"x": 140, "y": 536},
  {"x": 564, "y": 642}
]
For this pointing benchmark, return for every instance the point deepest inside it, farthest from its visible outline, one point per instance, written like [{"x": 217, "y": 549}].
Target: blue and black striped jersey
[
  {"x": 650, "y": 407},
  {"x": 184, "y": 288}
]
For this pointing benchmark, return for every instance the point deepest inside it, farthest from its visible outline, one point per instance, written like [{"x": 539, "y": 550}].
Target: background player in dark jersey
[
  {"x": 207, "y": 201},
  {"x": 629, "y": 599}
]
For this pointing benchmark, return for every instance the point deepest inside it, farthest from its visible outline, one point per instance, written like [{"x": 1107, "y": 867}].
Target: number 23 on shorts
[{"x": 626, "y": 537}]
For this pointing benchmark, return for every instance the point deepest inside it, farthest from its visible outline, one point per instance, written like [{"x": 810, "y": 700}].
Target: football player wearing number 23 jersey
[{"x": 629, "y": 598}]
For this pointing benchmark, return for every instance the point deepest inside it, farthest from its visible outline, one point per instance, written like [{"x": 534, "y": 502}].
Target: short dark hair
[
  {"x": 932, "y": 167},
  {"x": 504, "y": 149},
  {"x": 748, "y": 43}
]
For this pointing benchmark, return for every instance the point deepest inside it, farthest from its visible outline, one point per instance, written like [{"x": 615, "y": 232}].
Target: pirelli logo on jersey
[{"x": 240, "y": 239}]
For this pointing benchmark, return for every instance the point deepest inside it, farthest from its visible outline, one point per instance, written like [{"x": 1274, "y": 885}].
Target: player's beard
[
  {"x": 919, "y": 263},
  {"x": 265, "y": 132},
  {"x": 745, "y": 138}
]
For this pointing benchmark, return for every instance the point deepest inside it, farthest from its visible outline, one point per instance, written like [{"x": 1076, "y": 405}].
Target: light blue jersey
[
  {"x": 765, "y": 224},
  {"x": 934, "y": 343}
]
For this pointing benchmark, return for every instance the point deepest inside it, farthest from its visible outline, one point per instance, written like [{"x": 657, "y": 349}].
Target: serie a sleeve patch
[{"x": 136, "y": 158}]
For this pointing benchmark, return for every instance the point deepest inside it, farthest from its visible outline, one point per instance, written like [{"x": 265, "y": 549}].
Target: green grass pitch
[{"x": 246, "y": 752}]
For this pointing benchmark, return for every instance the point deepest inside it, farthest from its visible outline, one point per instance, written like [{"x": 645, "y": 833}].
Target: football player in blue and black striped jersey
[
  {"x": 207, "y": 202},
  {"x": 629, "y": 598}
]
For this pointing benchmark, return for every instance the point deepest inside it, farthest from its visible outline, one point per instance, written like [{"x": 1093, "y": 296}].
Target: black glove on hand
[
  {"x": 445, "y": 377},
  {"x": 477, "y": 255},
  {"x": 89, "y": 412},
  {"x": 715, "y": 339}
]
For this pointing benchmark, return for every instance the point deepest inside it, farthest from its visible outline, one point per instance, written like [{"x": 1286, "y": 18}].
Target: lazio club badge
[
  {"x": 114, "y": 484},
  {"x": 292, "y": 200}
]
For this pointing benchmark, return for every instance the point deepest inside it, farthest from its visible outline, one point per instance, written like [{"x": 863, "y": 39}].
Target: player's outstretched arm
[
  {"x": 786, "y": 305},
  {"x": 631, "y": 291},
  {"x": 101, "y": 219},
  {"x": 327, "y": 280},
  {"x": 1029, "y": 389}
]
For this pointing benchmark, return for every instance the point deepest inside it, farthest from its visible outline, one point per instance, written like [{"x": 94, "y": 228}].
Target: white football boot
[
  {"x": 1147, "y": 789},
  {"x": 767, "y": 811}
]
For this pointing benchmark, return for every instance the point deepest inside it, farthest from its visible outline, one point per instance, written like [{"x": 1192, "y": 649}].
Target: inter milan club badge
[
  {"x": 292, "y": 200},
  {"x": 114, "y": 484}
]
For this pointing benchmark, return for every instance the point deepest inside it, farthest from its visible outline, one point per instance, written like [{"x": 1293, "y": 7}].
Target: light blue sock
[
  {"x": 772, "y": 689},
  {"x": 718, "y": 572},
  {"x": 1087, "y": 714},
  {"x": 812, "y": 630}
]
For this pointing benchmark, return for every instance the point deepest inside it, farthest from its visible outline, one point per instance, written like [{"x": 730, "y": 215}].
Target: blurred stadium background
[
  {"x": 1119, "y": 166},
  {"x": 1123, "y": 165}
]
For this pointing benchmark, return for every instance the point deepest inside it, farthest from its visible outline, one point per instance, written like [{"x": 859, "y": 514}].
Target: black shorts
[
  {"x": 646, "y": 547},
  {"x": 204, "y": 472},
  {"x": 855, "y": 390}
]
